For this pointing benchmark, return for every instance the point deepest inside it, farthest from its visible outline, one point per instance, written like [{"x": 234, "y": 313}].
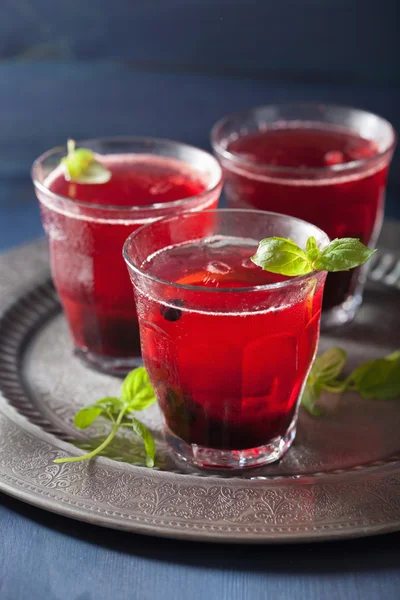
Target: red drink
[
  {"x": 136, "y": 180},
  {"x": 87, "y": 228},
  {"x": 227, "y": 345},
  {"x": 238, "y": 384},
  {"x": 322, "y": 172},
  {"x": 343, "y": 207}
]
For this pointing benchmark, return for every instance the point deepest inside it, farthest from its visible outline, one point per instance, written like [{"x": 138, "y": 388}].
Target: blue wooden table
[
  {"x": 47, "y": 557},
  {"x": 42, "y": 103}
]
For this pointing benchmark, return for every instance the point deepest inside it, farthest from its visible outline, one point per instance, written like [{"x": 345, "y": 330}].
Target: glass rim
[
  {"x": 204, "y": 289},
  {"x": 269, "y": 168},
  {"x": 212, "y": 186}
]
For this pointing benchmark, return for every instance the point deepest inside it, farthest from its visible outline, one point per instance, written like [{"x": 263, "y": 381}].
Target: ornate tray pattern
[{"x": 338, "y": 481}]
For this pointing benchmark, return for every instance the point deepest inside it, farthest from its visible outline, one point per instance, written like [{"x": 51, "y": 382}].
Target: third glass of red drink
[
  {"x": 227, "y": 346},
  {"x": 324, "y": 164}
]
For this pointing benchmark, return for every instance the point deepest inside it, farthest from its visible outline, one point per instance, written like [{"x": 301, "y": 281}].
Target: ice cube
[
  {"x": 218, "y": 268},
  {"x": 361, "y": 152},
  {"x": 161, "y": 187},
  {"x": 247, "y": 263},
  {"x": 334, "y": 158}
]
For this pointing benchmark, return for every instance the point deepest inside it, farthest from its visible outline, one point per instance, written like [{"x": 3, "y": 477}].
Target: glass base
[
  {"x": 108, "y": 364},
  {"x": 203, "y": 457},
  {"x": 342, "y": 314}
]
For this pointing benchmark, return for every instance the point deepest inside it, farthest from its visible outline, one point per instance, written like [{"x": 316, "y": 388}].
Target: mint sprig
[
  {"x": 81, "y": 166},
  {"x": 377, "y": 379},
  {"x": 136, "y": 394},
  {"x": 284, "y": 257}
]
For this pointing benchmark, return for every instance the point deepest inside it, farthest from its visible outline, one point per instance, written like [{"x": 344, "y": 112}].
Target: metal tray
[{"x": 340, "y": 479}]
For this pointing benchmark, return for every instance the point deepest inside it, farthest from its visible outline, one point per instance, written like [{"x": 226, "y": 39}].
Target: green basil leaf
[
  {"x": 148, "y": 441},
  {"x": 282, "y": 256},
  {"x": 311, "y": 394},
  {"x": 379, "y": 379},
  {"x": 313, "y": 254},
  {"x": 143, "y": 400},
  {"x": 86, "y": 416},
  {"x": 329, "y": 365},
  {"x": 311, "y": 244},
  {"x": 137, "y": 390},
  {"x": 342, "y": 255},
  {"x": 110, "y": 405},
  {"x": 81, "y": 166},
  {"x": 336, "y": 386}
]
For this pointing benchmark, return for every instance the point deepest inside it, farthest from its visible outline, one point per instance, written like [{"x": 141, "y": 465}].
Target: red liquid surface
[
  {"x": 345, "y": 206},
  {"x": 86, "y": 254},
  {"x": 226, "y": 379}
]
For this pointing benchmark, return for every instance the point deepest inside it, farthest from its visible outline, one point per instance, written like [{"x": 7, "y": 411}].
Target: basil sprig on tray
[
  {"x": 136, "y": 394},
  {"x": 377, "y": 379}
]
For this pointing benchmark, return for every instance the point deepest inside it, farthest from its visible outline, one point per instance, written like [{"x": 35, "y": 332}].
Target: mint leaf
[
  {"x": 136, "y": 394},
  {"x": 328, "y": 366},
  {"x": 110, "y": 404},
  {"x": 148, "y": 441},
  {"x": 282, "y": 256},
  {"x": 323, "y": 376},
  {"x": 311, "y": 244},
  {"x": 379, "y": 379},
  {"x": 86, "y": 416},
  {"x": 111, "y": 407},
  {"x": 342, "y": 255},
  {"x": 313, "y": 252},
  {"x": 81, "y": 166},
  {"x": 376, "y": 379},
  {"x": 137, "y": 390},
  {"x": 311, "y": 394}
]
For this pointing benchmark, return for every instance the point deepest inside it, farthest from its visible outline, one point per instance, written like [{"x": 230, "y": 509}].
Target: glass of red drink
[
  {"x": 227, "y": 345},
  {"x": 325, "y": 164},
  {"x": 87, "y": 225}
]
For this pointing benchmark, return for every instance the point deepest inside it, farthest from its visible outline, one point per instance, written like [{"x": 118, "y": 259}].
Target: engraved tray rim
[{"x": 343, "y": 504}]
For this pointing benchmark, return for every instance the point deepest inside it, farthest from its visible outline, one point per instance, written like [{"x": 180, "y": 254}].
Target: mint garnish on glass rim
[
  {"x": 81, "y": 166},
  {"x": 285, "y": 257},
  {"x": 136, "y": 394}
]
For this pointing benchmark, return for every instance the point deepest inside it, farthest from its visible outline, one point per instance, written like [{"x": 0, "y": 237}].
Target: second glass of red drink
[
  {"x": 227, "y": 346},
  {"x": 325, "y": 164},
  {"x": 87, "y": 225}
]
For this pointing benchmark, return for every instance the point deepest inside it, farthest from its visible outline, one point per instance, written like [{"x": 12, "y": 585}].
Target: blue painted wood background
[{"x": 320, "y": 39}]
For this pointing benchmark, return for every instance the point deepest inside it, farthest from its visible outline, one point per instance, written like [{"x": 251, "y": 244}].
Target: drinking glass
[
  {"x": 86, "y": 236},
  {"x": 325, "y": 164},
  {"x": 227, "y": 358}
]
